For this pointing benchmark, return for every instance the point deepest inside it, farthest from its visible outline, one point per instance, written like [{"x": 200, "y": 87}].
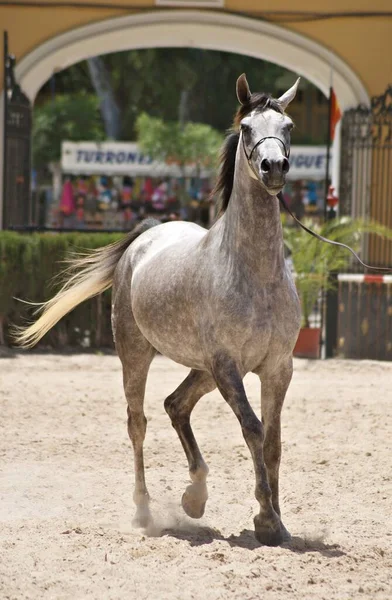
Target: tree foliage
[
  {"x": 153, "y": 80},
  {"x": 110, "y": 111},
  {"x": 67, "y": 117},
  {"x": 193, "y": 143}
]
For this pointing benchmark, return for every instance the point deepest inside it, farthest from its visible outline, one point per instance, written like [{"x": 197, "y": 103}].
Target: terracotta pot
[{"x": 308, "y": 343}]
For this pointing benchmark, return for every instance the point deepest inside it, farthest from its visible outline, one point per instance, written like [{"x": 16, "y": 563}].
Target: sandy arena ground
[{"x": 66, "y": 488}]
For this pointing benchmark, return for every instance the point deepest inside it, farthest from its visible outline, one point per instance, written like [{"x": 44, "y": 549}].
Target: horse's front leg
[
  {"x": 274, "y": 383},
  {"x": 268, "y": 528},
  {"x": 179, "y": 406}
]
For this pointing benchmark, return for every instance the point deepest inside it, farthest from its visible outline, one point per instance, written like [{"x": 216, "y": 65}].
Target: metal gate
[
  {"x": 17, "y": 148},
  {"x": 364, "y": 301},
  {"x": 365, "y": 316},
  {"x": 366, "y": 171}
]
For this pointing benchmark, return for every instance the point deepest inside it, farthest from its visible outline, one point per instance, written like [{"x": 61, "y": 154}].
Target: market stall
[{"x": 110, "y": 185}]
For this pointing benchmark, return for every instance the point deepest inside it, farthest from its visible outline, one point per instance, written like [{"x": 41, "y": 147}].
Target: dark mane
[{"x": 224, "y": 184}]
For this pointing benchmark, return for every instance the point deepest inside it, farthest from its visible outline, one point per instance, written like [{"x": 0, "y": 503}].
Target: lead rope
[
  {"x": 284, "y": 204},
  {"x": 323, "y": 239}
]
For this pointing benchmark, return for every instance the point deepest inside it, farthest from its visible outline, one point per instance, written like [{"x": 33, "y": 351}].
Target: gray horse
[{"x": 221, "y": 302}]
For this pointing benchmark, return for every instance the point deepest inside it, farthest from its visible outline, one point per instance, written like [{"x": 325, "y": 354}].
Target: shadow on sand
[{"x": 198, "y": 536}]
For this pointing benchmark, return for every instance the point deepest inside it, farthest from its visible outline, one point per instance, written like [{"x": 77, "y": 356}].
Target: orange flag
[{"x": 335, "y": 113}]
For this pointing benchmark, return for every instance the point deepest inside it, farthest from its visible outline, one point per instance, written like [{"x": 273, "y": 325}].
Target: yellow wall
[{"x": 365, "y": 44}]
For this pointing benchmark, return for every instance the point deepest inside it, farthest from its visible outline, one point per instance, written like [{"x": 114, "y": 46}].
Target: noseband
[{"x": 257, "y": 144}]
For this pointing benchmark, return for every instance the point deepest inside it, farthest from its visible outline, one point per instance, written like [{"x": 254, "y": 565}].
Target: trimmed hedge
[{"x": 28, "y": 264}]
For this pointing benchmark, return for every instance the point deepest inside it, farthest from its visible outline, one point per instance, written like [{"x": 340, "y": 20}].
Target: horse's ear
[
  {"x": 243, "y": 91},
  {"x": 288, "y": 96}
]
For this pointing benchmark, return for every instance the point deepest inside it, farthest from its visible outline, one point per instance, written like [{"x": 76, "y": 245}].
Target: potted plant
[{"x": 313, "y": 261}]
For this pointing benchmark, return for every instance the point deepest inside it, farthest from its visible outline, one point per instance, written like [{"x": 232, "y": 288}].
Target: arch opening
[
  {"x": 199, "y": 29},
  {"x": 206, "y": 30}
]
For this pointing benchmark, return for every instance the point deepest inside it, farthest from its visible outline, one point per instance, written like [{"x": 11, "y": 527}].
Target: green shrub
[
  {"x": 313, "y": 260},
  {"x": 29, "y": 265}
]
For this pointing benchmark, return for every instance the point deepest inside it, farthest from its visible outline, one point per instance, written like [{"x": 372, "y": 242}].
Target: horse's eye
[{"x": 245, "y": 128}]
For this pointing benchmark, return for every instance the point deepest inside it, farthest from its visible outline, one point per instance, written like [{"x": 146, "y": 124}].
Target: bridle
[
  {"x": 257, "y": 144},
  {"x": 284, "y": 203},
  {"x": 261, "y": 140}
]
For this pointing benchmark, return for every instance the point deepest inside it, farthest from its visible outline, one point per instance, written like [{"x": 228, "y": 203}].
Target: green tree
[
  {"x": 110, "y": 111},
  {"x": 73, "y": 118},
  {"x": 171, "y": 83},
  {"x": 192, "y": 143}
]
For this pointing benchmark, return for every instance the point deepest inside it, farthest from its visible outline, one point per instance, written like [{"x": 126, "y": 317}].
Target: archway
[{"x": 207, "y": 30}]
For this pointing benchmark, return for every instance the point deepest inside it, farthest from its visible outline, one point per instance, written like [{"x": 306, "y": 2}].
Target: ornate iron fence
[
  {"x": 366, "y": 171},
  {"x": 17, "y": 148},
  {"x": 365, "y": 301}
]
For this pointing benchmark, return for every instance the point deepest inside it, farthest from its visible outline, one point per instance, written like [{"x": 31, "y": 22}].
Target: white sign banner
[
  {"x": 124, "y": 158},
  {"x": 307, "y": 162},
  {"x": 114, "y": 158}
]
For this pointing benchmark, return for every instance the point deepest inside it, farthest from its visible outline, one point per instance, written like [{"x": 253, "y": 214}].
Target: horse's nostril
[
  {"x": 285, "y": 166},
  {"x": 265, "y": 165}
]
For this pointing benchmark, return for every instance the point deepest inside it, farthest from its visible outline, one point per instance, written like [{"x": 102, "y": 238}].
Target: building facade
[{"x": 352, "y": 39}]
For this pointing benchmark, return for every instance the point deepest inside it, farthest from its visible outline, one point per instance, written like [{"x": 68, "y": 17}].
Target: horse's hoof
[
  {"x": 140, "y": 521},
  {"x": 267, "y": 537},
  {"x": 286, "y": 534},
  {"x": 193, "y": 509},
  {"x": 270, "y": 536},
  {"x": 194, "y": 500},
  {"x": 142, "y": 518}
]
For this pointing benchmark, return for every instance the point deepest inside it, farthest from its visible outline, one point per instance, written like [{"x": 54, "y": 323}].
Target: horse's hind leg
[
  {"x": 136, "y": 354},
  {"x": 179, "y": 406}
]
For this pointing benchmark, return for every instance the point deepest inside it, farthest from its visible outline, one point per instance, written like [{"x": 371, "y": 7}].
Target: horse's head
[{"x": 265, "y": 134}]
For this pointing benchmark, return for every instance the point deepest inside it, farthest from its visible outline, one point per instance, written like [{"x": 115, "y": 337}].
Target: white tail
[{"x": 87, "y": 276}]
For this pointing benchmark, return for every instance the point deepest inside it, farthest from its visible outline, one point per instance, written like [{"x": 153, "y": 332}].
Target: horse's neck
[{"x": 251, "y": 226}]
